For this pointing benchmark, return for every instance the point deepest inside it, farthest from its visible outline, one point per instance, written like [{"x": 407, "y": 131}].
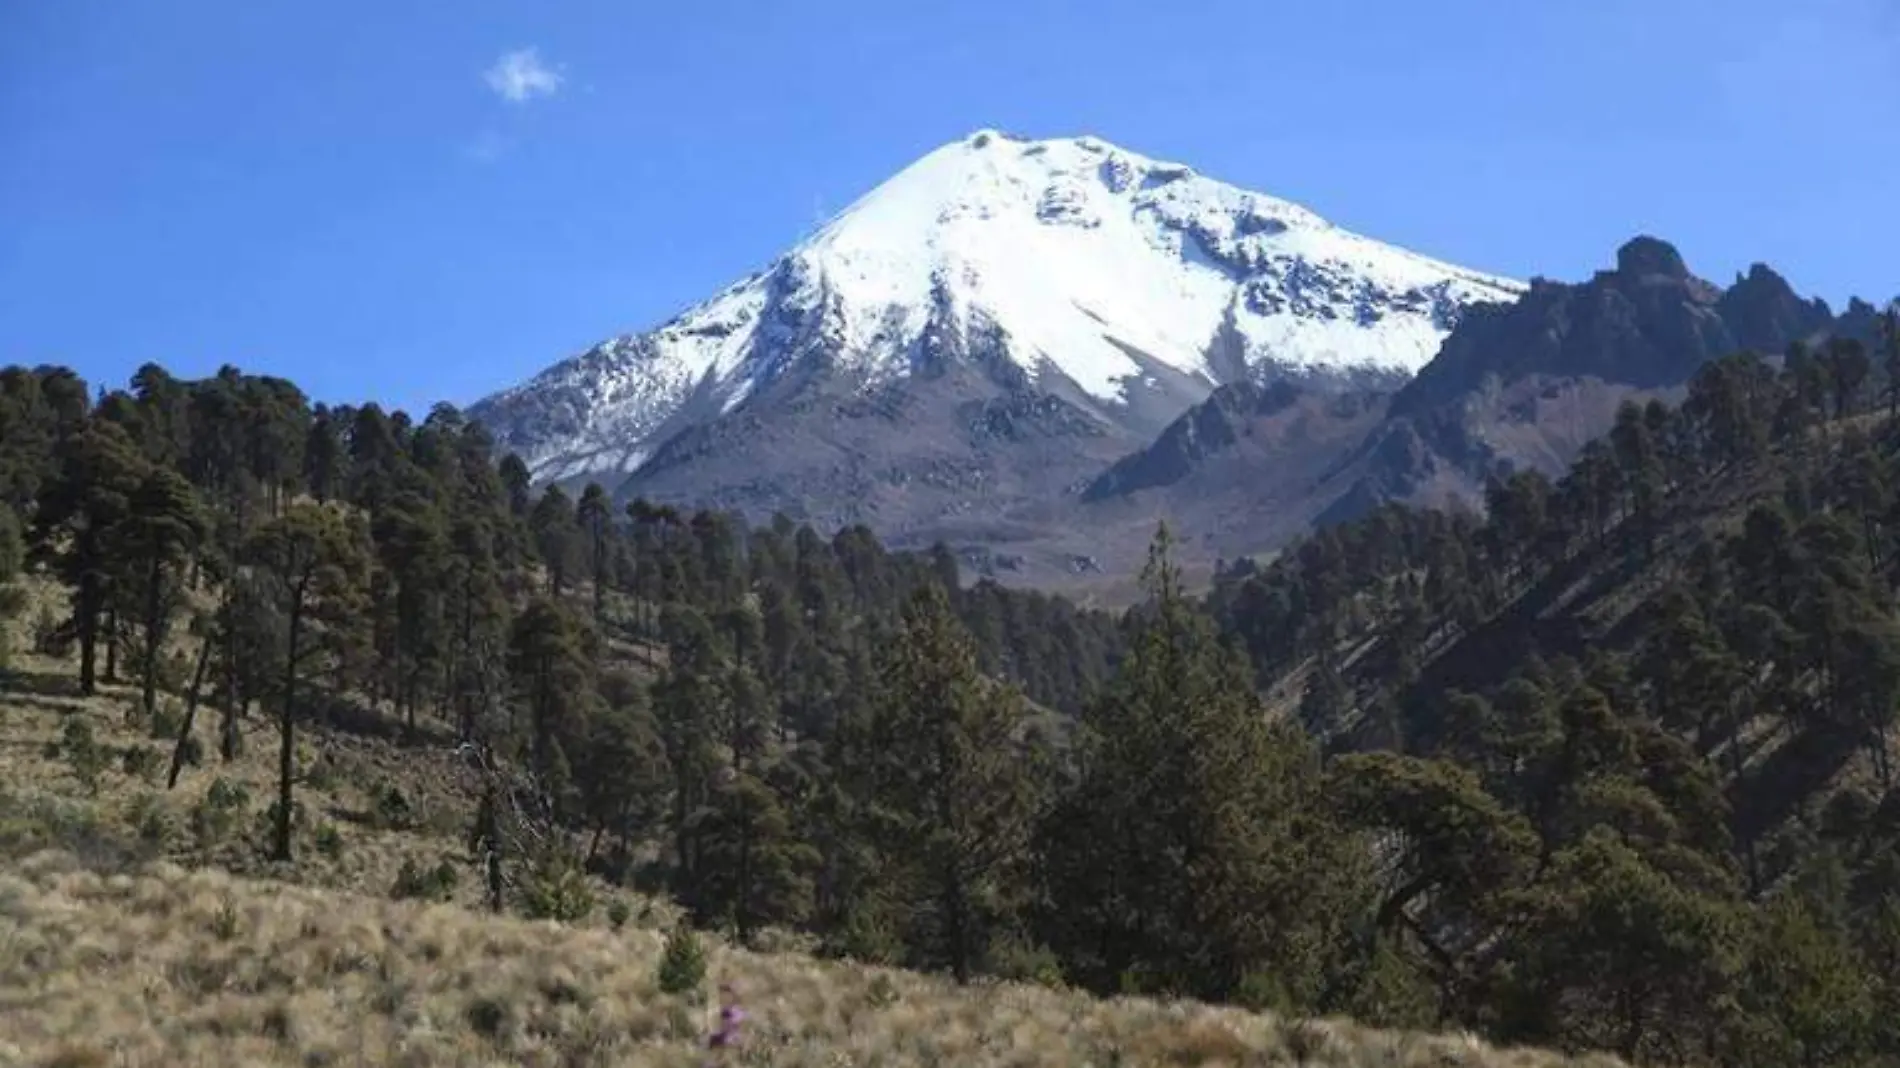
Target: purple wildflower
[{"x": 731, "y": 1015}]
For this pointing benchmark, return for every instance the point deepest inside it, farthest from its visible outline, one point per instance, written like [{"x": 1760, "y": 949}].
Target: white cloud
[{"x": 520, "y": 75}]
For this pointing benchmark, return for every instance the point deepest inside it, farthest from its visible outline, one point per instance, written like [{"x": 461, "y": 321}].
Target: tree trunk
[
  {"x": 191, "y": 712},
  {"x": 86, "y": 616},
  {"x": 495, "y": 898},
  {"x": 742, "y": 911},
  {"x": 231, "y": 736},
  {"x": 1632, "y": 1024},
  {"x": 154, "y": 634},
  {"x": 682, "y": 834},
  {"x": 287, "y": 750},
  {"x": 600, "y": 577},
  {"x": 1736, "y": 771},
  {"x": 957, "y": 925},
  {"x": 112, "y": 645}
]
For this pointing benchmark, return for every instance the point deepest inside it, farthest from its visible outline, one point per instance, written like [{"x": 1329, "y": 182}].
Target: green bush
[
  {"x": 12, "y": 544},
  {"x": 225, "y": 794},
  {"x": 618, "y": 913},
  {"x": 1262, "y": 991},
  {"x": 883, "y": 992},
  {"x": 414, "y": 882},
  {"x": 489, "y": 1017},
  {"x": 83, "y": 753},
  {"x": 329, "y": 841},
  {"x": 1026, "y": 962},
  {"x": 50, "y": 636},
  {"x": 317, "y": 770},
  {"x": 217, "y": 815},
  {"x": 12, "y": 599},
  {"x": 557, "y": 889},
  {"x": 683, "y": 965},
  {"x": 151, "y": 820},
  {"x": 391, "y": 809},
  {"x": 141, "y": 762},
  {"x": 865, "y": 936},
  {"x": 266, "y": 827},
  {"x": 167, "y": 720},
  {"x": 226, "y": 922}
]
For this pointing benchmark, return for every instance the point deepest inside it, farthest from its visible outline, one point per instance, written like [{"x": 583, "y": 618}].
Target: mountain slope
[
  {"x": 1520, "y": 385},
  {"x": 1123, "y": 287},
  {"x": 1243, "y": 471}
]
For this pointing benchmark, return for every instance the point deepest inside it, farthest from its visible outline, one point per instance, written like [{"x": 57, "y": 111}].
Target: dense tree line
[
  {"x": 305, "y": 557},
  {"x": 1608, "y": 765}
]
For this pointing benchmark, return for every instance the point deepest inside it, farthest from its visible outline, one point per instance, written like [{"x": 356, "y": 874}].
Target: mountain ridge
[{"x": 1515, "y": 386}]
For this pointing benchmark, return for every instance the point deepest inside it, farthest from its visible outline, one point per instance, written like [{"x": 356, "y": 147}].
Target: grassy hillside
[
  {"x": 172, "y": 966},
  {"x": 139, "y": 926}
]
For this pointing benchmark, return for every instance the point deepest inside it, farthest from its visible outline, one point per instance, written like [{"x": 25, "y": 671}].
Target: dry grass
[
  {"x": 170, "y": 966},
  {"x": 338, "y": 804},
  {"x": 127, "y": 941}
]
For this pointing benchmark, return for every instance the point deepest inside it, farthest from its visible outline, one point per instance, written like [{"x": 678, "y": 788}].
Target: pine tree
[
  {"x": 950, "y": 792},
  {"x": 1847, "y": 367},
  {"x": 323, "y": 456},
  {"x": 317, "y": 560},
  {"x": 553, "y": 683},
  {"x": 516, "y": 483},
  {"x": 1804, "y": 997},
  {"x": 753, "y": 866},
  {"x": 555, "y": 537},
  {"x": 1187, "y": 857},
  {"x": 1447, "y": 843},
  {"x": 78, "y": 518},
  {"x": 164, "y": 526},
  {"x": 477, "y": 614},
  {"x": 412, "y": 548},
  {"x": 687, "y": 704},
  {"x": 1615, "y": 954},
  {"x": 621, "y": 772},
  {"x": 595, "y": 516}
]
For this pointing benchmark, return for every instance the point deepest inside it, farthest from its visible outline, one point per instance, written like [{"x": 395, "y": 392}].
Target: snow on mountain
[{"x": 1094, "y": 264}]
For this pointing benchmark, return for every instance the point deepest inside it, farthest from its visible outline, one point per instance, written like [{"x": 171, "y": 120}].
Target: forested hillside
[
  {"x": 1609, "y": 768},
  {"x": 1629, "y": 736}
]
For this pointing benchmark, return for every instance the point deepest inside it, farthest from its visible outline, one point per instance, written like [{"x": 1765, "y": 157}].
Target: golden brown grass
[{"x": 170, "y": 966}]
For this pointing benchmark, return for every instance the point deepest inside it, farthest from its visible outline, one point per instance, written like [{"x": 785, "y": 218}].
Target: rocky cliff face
[{"x": 1528, "y": 384}]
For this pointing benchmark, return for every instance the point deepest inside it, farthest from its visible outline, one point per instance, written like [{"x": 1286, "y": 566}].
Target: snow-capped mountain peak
[{"x": 1096, "y": 266}]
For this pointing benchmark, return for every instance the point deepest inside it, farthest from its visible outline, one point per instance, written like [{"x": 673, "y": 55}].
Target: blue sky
[{"x": 357, "y": 195}]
